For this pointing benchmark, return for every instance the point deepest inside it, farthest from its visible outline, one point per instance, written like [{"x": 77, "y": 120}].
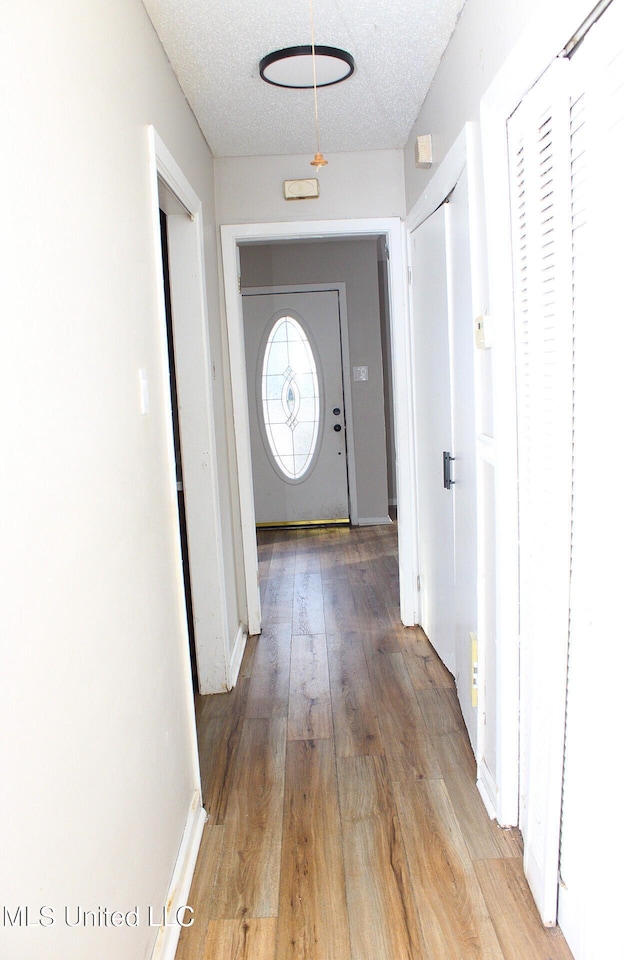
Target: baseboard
[
  {"x": 178, "y": 896},
  {"x": 487, "y": 789},
  {"x": 373, "y": 521},
  {"x": 237, "y": 654}
]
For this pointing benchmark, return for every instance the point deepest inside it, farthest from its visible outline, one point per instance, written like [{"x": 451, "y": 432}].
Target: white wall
[
  {"x": 483, "y": 38},
  {"x": 356, "y": 263},
  {"x": 249, "y": 189},
  {"x": 98, "y": 759}
]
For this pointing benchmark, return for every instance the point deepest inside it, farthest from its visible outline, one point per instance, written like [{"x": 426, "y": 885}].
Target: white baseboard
[
  {"x": 178, "y": 896},
  {"x": 487, "y": 789},
  {"x": 373, "y": 521},
  {"x": 236, "y": 656}
]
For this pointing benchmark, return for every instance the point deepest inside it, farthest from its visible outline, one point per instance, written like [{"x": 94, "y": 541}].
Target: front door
[{"x": 296, "y": 407}]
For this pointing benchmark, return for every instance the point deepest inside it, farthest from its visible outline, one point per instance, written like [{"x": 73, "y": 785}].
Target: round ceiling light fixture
[{"x": 293, "y": 67}]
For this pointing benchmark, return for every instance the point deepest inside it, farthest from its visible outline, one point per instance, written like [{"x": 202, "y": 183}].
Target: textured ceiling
[{"x": 215, "y": 47}]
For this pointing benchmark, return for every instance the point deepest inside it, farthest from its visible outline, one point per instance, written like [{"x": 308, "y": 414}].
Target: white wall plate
[{"x": 301, "y": 189}]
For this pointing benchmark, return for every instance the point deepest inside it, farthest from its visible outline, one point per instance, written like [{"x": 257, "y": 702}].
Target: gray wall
[
  {"x": 354, "y": 262},
  {"x": 365, "y": 184},
  {"x": 385, "y": 334}
]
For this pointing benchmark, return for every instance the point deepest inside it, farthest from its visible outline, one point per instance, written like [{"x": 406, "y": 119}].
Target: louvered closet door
[
  {"x": 597, "y": 904},
  {"x": 538, "y": 136}
]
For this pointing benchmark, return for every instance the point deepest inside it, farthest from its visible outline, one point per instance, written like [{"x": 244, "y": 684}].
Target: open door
[{"x": 173, "y": 386}]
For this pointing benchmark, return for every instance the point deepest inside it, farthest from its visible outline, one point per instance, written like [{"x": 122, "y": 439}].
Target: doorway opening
[
  {"x": 241, "y": 246},
  {"x": 217, "y": 650}
]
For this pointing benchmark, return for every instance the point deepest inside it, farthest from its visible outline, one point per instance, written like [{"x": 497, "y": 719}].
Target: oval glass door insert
[{"x": 290, "y": 398}]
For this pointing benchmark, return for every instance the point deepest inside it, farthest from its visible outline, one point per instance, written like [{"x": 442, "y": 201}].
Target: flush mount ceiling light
[
  {"x": 305, "y": 68},
  {"x": 293, "y": 67}
]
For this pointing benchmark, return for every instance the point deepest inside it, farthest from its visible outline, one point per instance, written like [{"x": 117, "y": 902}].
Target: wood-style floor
[{"x": 344, "y": 821}]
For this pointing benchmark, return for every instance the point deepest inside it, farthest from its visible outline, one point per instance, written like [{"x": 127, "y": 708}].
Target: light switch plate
[{"x": 143, "y": 391}]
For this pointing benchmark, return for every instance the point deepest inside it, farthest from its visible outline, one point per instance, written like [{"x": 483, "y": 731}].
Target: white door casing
[{"x": 320, "y": 492}]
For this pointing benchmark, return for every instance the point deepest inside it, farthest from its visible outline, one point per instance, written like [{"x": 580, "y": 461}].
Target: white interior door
[
  {"x": 296, "y": 407},
  {"x": 463, "y": 416},
  {"x": 433, "y": 431}
]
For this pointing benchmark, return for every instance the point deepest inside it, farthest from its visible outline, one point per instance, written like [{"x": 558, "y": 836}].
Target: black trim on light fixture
[{"x": 306, "y": 51}]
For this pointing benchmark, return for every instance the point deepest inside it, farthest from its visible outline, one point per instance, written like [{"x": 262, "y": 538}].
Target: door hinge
[
  {"x": 239, "y": 282},
  {"x": 409, "y": 277},
  {"x": 474, "y": 669},
  {"x": 418, "y": 587}
]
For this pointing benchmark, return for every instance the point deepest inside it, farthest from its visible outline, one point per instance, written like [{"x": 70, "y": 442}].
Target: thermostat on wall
[
  {"x": 301, "y": 189},
  {"x": 424, "y": 153}
]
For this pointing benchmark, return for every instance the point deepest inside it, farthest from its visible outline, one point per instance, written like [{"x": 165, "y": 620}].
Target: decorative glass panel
[{"x": 290, "y": 398}]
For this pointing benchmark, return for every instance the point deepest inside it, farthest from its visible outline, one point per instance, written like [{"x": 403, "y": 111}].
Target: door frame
[
  {"x": 232, "y": 236},
  {"x": 341, "y": 289},
  {"x": 215, "y": 656}
]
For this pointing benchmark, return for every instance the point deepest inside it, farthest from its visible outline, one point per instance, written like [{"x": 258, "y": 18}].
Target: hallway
[{"x": 343, "y": 818}]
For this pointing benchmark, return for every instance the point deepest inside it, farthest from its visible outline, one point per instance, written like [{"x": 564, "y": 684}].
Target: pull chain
[{"x": 318, "y": 161}]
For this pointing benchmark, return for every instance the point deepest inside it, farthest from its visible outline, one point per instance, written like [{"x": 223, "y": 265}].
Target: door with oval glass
[{"x": 296, "y": 407}]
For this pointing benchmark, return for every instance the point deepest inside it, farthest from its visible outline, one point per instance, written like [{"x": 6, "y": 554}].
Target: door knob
[
  {"x": 336, "y": 411},
  {"x": 337, "y": 427}
]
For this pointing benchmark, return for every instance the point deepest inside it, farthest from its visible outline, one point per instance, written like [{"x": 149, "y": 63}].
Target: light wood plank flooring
[{"x": 344, "y": 821}]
